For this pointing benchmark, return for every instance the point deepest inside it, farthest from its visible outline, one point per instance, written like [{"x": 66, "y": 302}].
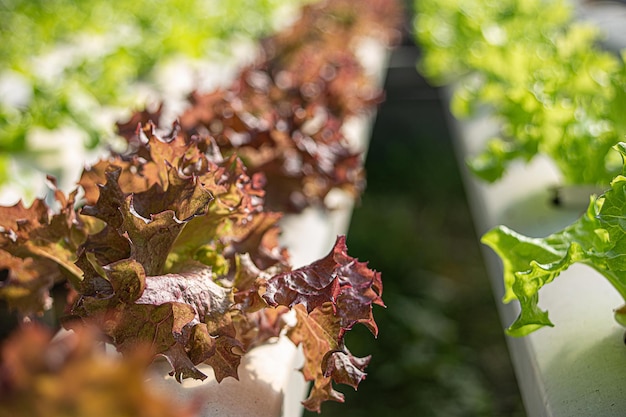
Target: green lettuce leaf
[{"x": 597, "y": 239}]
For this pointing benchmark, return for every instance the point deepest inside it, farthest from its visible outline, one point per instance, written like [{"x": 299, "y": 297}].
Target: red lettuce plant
[
  {"x": 168, "y": 247},
  {"x": 173, "y": 249},
  {"x": 283, "y": 115}
]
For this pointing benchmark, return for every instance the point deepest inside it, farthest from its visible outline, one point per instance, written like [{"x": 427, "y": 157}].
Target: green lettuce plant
[
  {"x": 542, "y": 76},
  {"x": 596, "y": 239},
  {"x": 553, "y": 90}
]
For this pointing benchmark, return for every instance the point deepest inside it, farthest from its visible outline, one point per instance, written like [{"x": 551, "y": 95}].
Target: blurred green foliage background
[
  {"x": 542, "y": 68},
  {"x": 83, "y": 65}
]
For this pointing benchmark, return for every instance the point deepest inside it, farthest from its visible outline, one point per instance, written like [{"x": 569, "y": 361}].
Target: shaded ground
[{"x": 441, "y": 350}]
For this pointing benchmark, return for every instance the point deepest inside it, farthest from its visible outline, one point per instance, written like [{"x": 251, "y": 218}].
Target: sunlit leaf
[{"x": 595, "y": 239}]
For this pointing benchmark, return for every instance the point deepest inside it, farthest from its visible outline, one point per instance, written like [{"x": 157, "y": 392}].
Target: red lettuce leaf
[
  {"x": 330, "y": 296},
  {"x": 59, "y": 377},
  {"x": 227, "y": 357},
  {"x": 164, "y": 269},
  {"x": 38, "y": 247},
  {"x": 344, "y": 282}
]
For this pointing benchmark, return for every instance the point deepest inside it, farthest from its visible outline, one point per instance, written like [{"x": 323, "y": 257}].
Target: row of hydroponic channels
[
  {"x": 170, "y": 249},
  {"x": 546, "y": 80}
]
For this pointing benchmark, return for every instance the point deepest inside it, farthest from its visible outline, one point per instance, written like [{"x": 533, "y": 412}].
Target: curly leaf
[
  {"x": 130, "y": 179},
  {"x": 596, "y": 239},
  {"x": 345, "y": 368},
  {"x": 311, "y": 286},
  {"x": 172, "y": 313},
  {"x": 227, "y": 358},
  {"x": 127, "y": 278},
  {"x": 318, "y": 333},
  {"x": 153, "y": 219},
  {"x": 157, "y": 325},
  {"x": 28, "y": 283},
  {"x": 349, "y": 285},
  {"x": 329, "y": 296},
  {"x": 327, "y": 360},
  {"x": 183, "y": 366},
  {"x": 38, "y": 247},
  {"x": 193, "y": 286}
]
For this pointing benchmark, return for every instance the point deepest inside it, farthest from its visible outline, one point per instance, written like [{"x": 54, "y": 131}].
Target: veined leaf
[
  {"x": 597, "y": 239},
  {"x": 330, "y": 296},
  {"x": 38, "y": 247}
]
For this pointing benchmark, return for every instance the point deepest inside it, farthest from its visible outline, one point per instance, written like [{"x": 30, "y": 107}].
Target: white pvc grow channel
[{"x": 578, "y": 367}]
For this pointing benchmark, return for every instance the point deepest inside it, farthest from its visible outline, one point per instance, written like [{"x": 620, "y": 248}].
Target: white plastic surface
[
  {"x": 578, "y": 367},
  {"x": 268, "y": 385}
]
